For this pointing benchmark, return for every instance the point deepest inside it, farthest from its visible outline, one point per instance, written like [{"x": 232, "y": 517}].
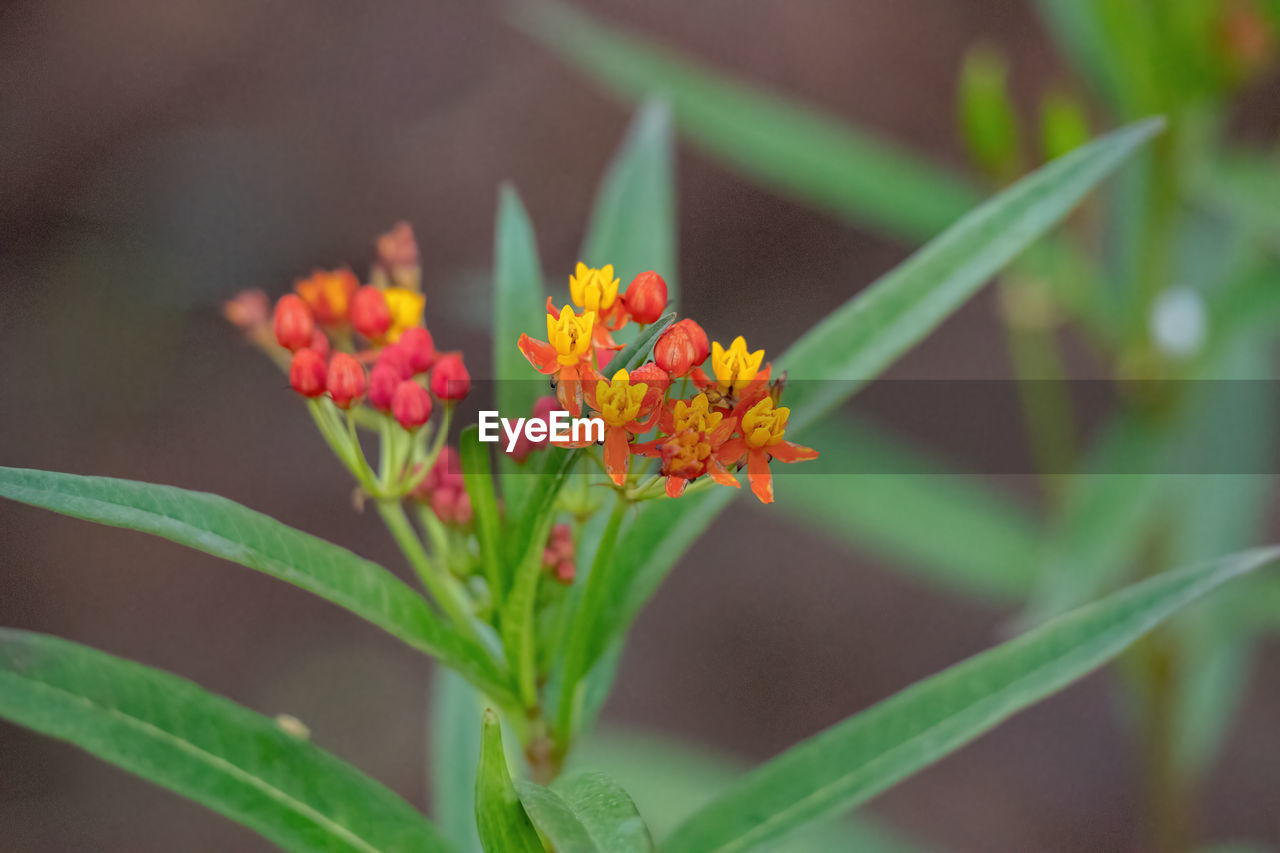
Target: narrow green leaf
[
  {"x": 206, "y": 748},
  {"x": 519, "y": 306},
  {"x": 865, "y": 335},
  {"x": 633, "y": 222},
  {"x": 980, "y": 543},
  {"x": 226, "y": 529},
  {"x": 455, "y": 743},
  {"x": 504, "y": 826},
  {"x": 1079, "y": 30},
  {"x": 794, "y": 150},
  {"x": 478, "y": 480},
  {"x": 870, "y": 331},
  {"x": 671, "y": 779},
  {"x": 586, "y": 813},
  {"x": 869, "y": 752}
]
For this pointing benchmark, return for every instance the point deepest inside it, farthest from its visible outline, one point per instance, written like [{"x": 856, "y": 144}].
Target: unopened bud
[
  {"x": 646, "y": 297},
  {"x": 346, "y": 380},
  {"x": 370, "y": 315},
  {"x": 419, "y": 348},
  {"x": 383, "y": 381},
  {"x": 397, "y": 359},
  {"x": 674, "y": 352},
  {"x": 450, "y": 379},
  {"x": 293, "y": 323},
  {"x": 701, "y": 344},
  {"x": 307, "y": 373},
  {"x": 411, "y": 404},
  {"x": 248, "y": 310}
]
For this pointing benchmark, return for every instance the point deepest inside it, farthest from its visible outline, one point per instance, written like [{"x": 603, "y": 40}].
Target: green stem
[
  {"x": 444, "y": 588},
  {"x": 583, "y": 628}
]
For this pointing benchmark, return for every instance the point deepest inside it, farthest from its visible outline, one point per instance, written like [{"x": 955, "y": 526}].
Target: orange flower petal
[
  {"x": 786, "y": 451},
  {"x": 616, "y": 453},
  {"x": 720, "y": 475},
  {"x": 731, "y": 451},
  {"x": 760, "y": 476},
  {"x": 540, "y": 354},
  {"x": 675, "y": 486}
]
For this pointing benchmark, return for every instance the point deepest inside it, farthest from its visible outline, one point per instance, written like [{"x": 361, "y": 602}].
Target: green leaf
[
  {"x": 519, "y": 306},
  {"x": 869, "y": 332},
  {"x": 1079, "y": 30},
  {"x": 226, "y": 529},
  {"x": 504, "y": 826},
  {"x": 478, "y": 480},
  {"x": 1246, "y": 188},
  {"x": 980, "y": 543},
  {"x": 455, "y": 743},
  {"x": 791, "y": 149},
  {"x": 586, "y": 813},
  {"x": 671, "y": 779},
  {"x": 633, "y": 223},
  {"x": 238, "y": 763},
  {"x": 869, "y": 752},
  {"x": 865, "y": 335}
]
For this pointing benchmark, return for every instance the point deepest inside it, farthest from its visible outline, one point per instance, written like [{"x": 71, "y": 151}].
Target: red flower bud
[
  {"x": 646, "y": 297},
  {"x": 542, "y": 410},
  {"x": 307, "y": 373},
  {"x": 701, "y": 345},
  {"x": 419, "y": 348},
  {"x": 450, "y": 379},
  {"x": 248, "y": 310},
  {"x": 383, "y": 381},
  {"x": 674, "y": 351},
  {"x": 293, "y": 323},
  {"x": 370, "y": 315},
  {"x": 320, "y": 343},
  {"x": 397, "y": 359},
  {"x": 346, "y": 380},
  {"x": 411, "y": 404}
]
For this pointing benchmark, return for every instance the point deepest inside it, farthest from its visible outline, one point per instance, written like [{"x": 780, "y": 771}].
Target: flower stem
[
  {"x": 447, "y": 592},
  {"x": 583, "y": 628}
]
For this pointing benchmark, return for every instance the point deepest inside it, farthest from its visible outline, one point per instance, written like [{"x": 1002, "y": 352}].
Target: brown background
[{"x": 160, "y": 154}]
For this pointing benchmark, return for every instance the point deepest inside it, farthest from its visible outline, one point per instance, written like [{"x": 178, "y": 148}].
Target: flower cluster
[
  {"x": 363, "y": 357},
  {"x": 720, "y": 420}
]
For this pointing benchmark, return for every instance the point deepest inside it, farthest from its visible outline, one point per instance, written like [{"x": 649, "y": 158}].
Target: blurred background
[{"x": 159, "y": 155}]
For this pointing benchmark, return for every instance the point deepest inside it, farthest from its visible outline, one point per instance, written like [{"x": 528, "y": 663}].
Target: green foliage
[
  {"x": 503, "y": 823},
  {"x": 165, "y": 729},
  {"x": 586, "y": 813},
  {"x": 869, "y": 752}
]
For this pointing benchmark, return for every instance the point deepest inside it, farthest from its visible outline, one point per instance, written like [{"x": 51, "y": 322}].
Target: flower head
[
  {"x": 370, "y": 314},
  {"x": 345, "y": 380},
  {"x": 735, "y": 367},
  {"x": 626, "y": 408},
  {"x": 329, "y": 293},
  {"x": 596, "y": 290},
  {"x": 293, "y": 323},
  {"x": 450, "y": 379},
  {"x": 405, "y": 307},
  {"x": 307, "y": 373},
  {"x": 411, "y": 404},
  {"x": 762, "y": 439},
  {"x": 567, "y": 355},
  {"x": 570, "y": 334}
]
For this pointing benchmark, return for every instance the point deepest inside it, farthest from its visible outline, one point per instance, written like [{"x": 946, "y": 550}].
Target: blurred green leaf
[
  {"x": 671, "y": 779},
  {"x": 455, "y": 743},
  {"x": 501, "y": 819},
  {"x": 988, "y": 121},
  {"x": 979, "y": 542},
  {"x": 864, "y": 336},
  {"x": 1064, "y": 125},
  {"x": 474, "y": 458},
  {"x": 794, "y": 150},
  {"x": 519, "y": 306},
  {"x": 1244, "y": 186},
  {"x": 226, "y": 529},
  {"x": 1079, "y": 30},
  {"x": 869, "y": 752},
  {"x": 633, "y": 222},
  {"x": 167, "y": 730},
  {"x": 586, "y": 813},
  {"x": 872, "y": 329}
]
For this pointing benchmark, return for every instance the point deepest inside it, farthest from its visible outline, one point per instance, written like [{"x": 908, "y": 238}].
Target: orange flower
[
  {"x": 737, "y": 372},
  {"x": 597, "y": 290},
  {"x": 694, "y": 434},
  {"x": 627, "y": 409},
  {"x": 566, "y": 358},
  {"x": 329, "y": 293},
  {"x": 761, "y": 439}
]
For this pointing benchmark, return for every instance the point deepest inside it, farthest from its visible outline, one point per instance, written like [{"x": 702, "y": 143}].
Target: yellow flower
[
  {"x": 570, "y": 334},
  {"x": 695, "y": 414},
  {"x": 735, "y": 367},
  {"x": 595, "y": 290},
  {"x": 619, "y": 401},
  {"x": 763, "y": 425},
  {"x": 406, "y": 310}
]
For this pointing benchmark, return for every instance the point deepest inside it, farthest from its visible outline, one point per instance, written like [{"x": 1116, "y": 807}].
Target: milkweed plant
[{"x": 613, "y": 430}]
